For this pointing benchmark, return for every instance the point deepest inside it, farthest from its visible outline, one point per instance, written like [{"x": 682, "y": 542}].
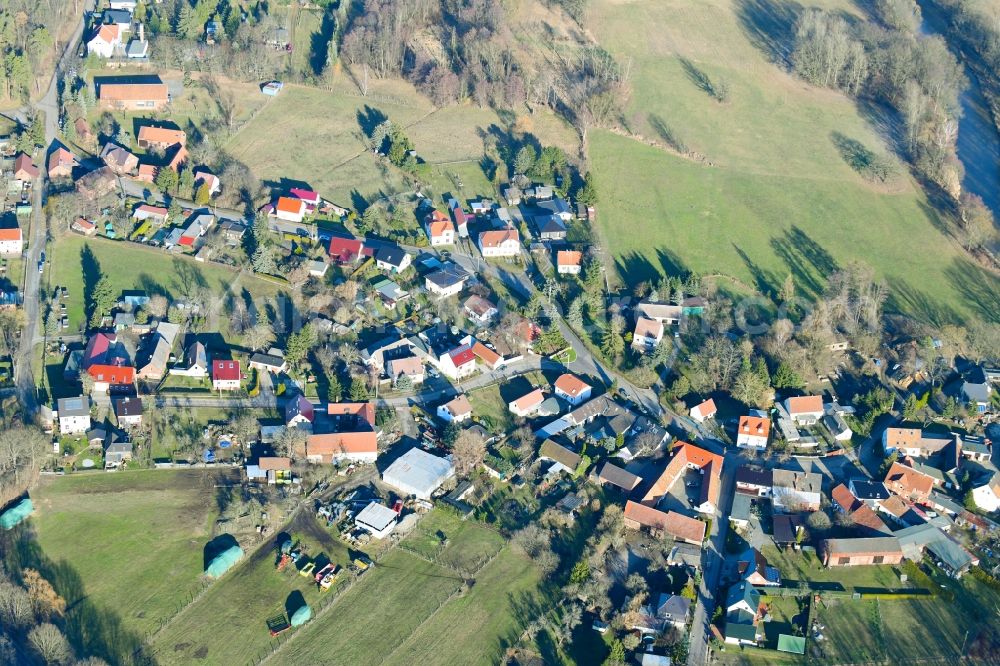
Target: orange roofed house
[
  {"x": 688, "y": 456},
  {"x": 439, "y": 229},
  {"x": 151, "y": 95},
  {"x": 572, "y": 389},
  {"x": 11, "y": 241},
  {"x": 347, "y": 433},
  {"x": 908, "y": 483},
  {"x": 681, "y": 527},
  {"x": 290, "y": 209},
  {"x": 503, "y": 243},
  {"x": 752, "y": 432},
  {"x": 569, "y": 262},
  {"x": 160, "y": 138},
  {"x": 805, "y": 410}
]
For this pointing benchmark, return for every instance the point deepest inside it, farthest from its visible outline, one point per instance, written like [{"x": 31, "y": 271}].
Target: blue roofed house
[
  {"x": 976, "y": 389},
  {"x": 742, "y": 614}
]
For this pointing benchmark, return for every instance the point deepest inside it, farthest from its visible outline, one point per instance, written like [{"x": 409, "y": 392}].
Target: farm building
[
  {"x": 377, "y": 519},
  {"x": 418, "y": 473}
]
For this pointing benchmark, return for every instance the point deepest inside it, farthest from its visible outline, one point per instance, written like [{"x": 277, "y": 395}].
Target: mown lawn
[
  {"x": 798, "y": 566},
  {"x": 136, "y": 539},
  {"x": 766, "y": 193}
]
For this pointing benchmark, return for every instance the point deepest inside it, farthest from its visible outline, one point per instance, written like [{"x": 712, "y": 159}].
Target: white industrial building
[{"x": 418, "y": 473}]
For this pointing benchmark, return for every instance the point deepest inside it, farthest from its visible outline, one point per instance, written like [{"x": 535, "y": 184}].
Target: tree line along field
[{"x": 767, "y": 193}]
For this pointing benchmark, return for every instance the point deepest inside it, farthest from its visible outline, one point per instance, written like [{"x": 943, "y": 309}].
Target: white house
[
  {"x": 648, "y": 333},
  {"x": 226, "y": 375},
  {"x": 987, "y": 497},
  {"x": 440, "y": 230},
  {"x": 104, "y": 41},
  {"x": 74, "y": 415},
  {"x": 446, "y": 282},
  {"x": 411, "y": 367},
  {"x": 11, "y": 241},
  {"x": 569, "y": 262},
  {"x": 527, "y": 404},
  {"x": 805, "y": 410},
  {"x": 572, "y": 389},
  {"x": 290, "y": 209},
  {"x": 503, "y": 243},
  {"x": 457, "y": 363},
  {"x": 703, "y": 411},
  {"x": 457, "y": 410},
  {"x": 752, "y": 432}
]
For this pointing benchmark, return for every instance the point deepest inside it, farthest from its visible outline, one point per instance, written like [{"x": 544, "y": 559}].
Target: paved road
[
  {"x": 177, "y": 401},
  {"x": 713, "y": 555},
  {"x": 49, "y": 104},
  {"x": 139, "y": 190},
  {"x": 25, "y": 376}
]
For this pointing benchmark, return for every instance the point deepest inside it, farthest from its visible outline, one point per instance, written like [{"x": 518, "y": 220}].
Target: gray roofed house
[
  {"x": 392, "y": 257},
  {"x": 117, "y": 452},
  {"x": 868, "y": 491},
  {"x": 562, "y": 458},
  {"x": 976, "y": 388},
  {"x": 740, "y": 513},
  {"x": 918, "y": 538},
  {"x": 673, "y": 608},
  {"x": 557, "y": 207},
  {"x": 448, "y": 277},
  {"x": 684, "y": 554},
  {"x": 79, "y": 406},
  {"x": 550, "y": 227},
  {"x": 268, "y": 362},
  {"x": 618, "y": 477}
]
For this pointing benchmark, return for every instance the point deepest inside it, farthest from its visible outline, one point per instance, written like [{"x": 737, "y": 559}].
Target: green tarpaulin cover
[
  {"x": 224, "y": 561},
  {"x": 302, "y": 615},
  {"x": 16, "y": 514}
]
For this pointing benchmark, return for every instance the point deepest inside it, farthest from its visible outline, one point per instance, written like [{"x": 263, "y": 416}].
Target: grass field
[
  {"x": 477, "y": 627},
  {"x": 323, "y": 138},
  {"x": 228, "y": 624},
  {"x": 78, "y": 263},
  {"x": 136, "y": 539},
  {"x": 404, "y": 594},
  {"x": 395, "y": 598},
  {"x": 771, "y": 196}
]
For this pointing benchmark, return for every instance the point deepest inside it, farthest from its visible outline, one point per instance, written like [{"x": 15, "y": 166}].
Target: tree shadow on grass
[
  {"x": 369, "y": 118},
  {"x": 907, "y": 299},
  {"x": 765, "y": 281},
  {"x": 979, "y": 287},
  {"x": 91, "y": 274},
  {"x": 809, "y": 262},
  {"x": 634, "y": 268},
  {"x": 770, "y": 25},
  {"x": 91, "y": 630}
]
